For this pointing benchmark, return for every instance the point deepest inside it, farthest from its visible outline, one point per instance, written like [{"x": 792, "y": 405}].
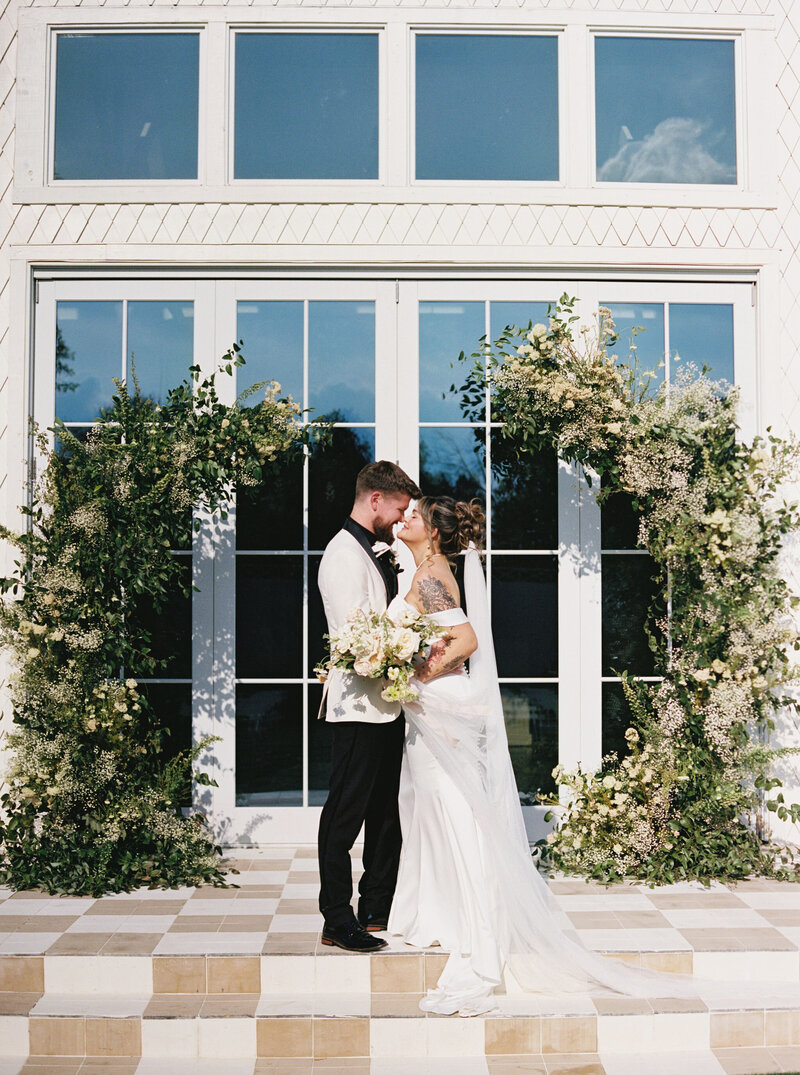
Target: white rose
[
  {"x": 538, "y": 330},
  {"x": 366, "y": 666},
  {"x": 404, "y": 643}
]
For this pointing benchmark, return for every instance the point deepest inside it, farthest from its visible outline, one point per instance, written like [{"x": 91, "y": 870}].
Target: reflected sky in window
[
  {"x": 702, "y": 334},
  {"x": 445, "y": 330},
  {"x": 640, "y": 326},
  {"x": 126, "y": 106},
  {"x": 452, "y": 462},
  {"x": 341, "y": 360},
  {"x": 160, "y": 345},
  {"x": 306, "y": 106},
  {"x": 665, "y": 110},
  {"x": 272, "y": 346},
  {"x": 486, "y": 107},
  {"x": 88, "y": 356}
]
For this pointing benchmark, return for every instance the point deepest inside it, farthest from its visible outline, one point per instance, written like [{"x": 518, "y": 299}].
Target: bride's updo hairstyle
[{"x": 457, "y": 521}]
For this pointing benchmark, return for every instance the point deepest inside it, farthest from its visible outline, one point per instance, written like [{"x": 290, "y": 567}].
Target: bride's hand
[{"x": 439, "y": 662}]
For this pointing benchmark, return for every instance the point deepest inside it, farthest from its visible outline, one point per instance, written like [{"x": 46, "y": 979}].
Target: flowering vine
[
  {"x": 94, "y": 798},
  {"x": 686, "y": 801}
]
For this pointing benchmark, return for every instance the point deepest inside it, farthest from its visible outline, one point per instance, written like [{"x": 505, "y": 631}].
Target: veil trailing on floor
[{"x": 469, "y": 741}]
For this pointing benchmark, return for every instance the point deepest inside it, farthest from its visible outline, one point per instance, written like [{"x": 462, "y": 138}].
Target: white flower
[
  {"x": 367, "y": 666},
  {"x": 404, "y": 643},
  {"x": 538, "y": 331}
]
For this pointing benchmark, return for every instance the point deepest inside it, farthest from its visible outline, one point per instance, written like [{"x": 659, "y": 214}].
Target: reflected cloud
[{"x": 675, "y": 152}]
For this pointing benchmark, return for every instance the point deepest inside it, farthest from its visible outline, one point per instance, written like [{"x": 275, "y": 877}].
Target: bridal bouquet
[{"x": 380, "y": 646}]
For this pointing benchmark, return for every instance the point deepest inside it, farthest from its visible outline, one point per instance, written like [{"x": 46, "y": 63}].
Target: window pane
[
  {"x": 269, "y": 617},
  {"x": 445, "y": 330},
  {"x": 619, "y": 523},
  {"x": 525, "y": 615},
  {"x": 306, "y": 106},
  {"x": 628, "y": 590},
  {"x": 172, "y": 705},
  {"x": 521, "y": 314},
  {"x": 665, "y": 110},
  {"x": 531, "y": 714},
  {"x": 317, "y": 624},
  {"x": 269, "y": 745},
  {"x": 126, "y": 106},
  {"x": 270, "y": 515},
  {"x": 160, "y": 345},
  {"x": 341, "y": 360},
  {"x": 319, "y": 750},
  {"x": 617, "y": 718},
  {"x": 524, "y": 497},
  {"x": 88, "y": 356},
  {"x": 332, "y": 477},
  {"x": 486, "y": 107},
  {"x": 702, "y": 333},
  {"x": 451, "y": 462},
  {"x": 170, "y": 629},
  {"x": 272, "y": 346},
  {"x": 641, "y": 328}
]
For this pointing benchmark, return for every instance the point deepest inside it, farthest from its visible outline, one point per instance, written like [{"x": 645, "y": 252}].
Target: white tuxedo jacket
[{"x": 349, "y": 578}]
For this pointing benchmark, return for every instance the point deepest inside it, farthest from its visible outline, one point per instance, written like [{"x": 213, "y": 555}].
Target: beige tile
[
  {"x": 23, "y": 974},
  {"x": 284, "y": 1067},
  {"x": 397, "y": 974},
  {"x": 179, "y": 974},
  {"x": 516, "y": 1065},
  {"x": 397, "y": 1005},
  {"x": 211, "y": 892},
  {"x": 620, "y": 1005},
  {"x": 293, "y": 906},
  {"x": 260, "y": 892},
  {"x": 196, "y": 924},
  {"x": 782, "y": 1028},
  {"x": 79, "y": 944},
  {"x": 746, "y": 1061},
  {"x": 788, "y": 1057},
  {"x": 593, "y": 919},
  {"x": 713, "y": 940},
  {"x": 233, "y": 974},
  {"x": 340, "y": 1037},
  {"x": 245, "y": 924},
  {"x": 308, "y": 852},
  {"x": 781, "y": 918},
  {"x": 434, "y": 965},
  {"x": 284, "y": 1037},
  {"x": 668, "y": 962},
  {"x": 110, "y": 1065},
  {"x": 575, "y": 1064},
  {"x": 55, "y": 1065},
  {"x": 736, "y": 1029},
  {"x": 50, "y": 923},
  {"x": 290, "y": 944},
  {"x": 513, "y": 1036},
  {"x": 18, "y": 1003},
  {"x": 114, "y": 907},
  {"x": 57, "y": 1036},
  {"x": 690, "y": 901},
  {"x": 679, "y": 1004},
  {"x": 762, "y": 940},
  {"x": 131, "y": 944},
  {"x": 229, "y": 1005},
  {"x": 113, "y": 1037},
  {"x": 160, "y": 907},
  {"x": 274, "y": 865},
  {"x": 565, "y": 1035},
  {"x": 174, "y": 1006},
  {"x": 642, "y": 920}
]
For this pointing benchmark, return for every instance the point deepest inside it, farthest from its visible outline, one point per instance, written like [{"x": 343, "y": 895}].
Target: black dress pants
[{"x": 365, "y": 780}]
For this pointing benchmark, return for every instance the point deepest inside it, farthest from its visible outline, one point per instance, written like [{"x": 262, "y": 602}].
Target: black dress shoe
[
  {"x": 352, "y": 937},
  {"x": 373, "y": 923}
]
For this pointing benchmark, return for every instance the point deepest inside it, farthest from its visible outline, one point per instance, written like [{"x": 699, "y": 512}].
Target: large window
[
  {"x": 665, "y": 110},
  {"x": 306, "y": 106},
  {"x": 486, "y": 107},
  {"x": 126, "y": 106}
]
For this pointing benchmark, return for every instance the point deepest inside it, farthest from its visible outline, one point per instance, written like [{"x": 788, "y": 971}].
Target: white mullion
[
  {"x": 124, "y": 374},
  {"x": 487, "y": 460},
  {"x": 306, "y": 465}
]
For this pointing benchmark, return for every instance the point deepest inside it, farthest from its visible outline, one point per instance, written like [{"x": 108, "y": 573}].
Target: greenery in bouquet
[
  {"x": 96, "y": 797},
  {"x": 691, "y": 796},
  {"x": 381, "y": 645}
]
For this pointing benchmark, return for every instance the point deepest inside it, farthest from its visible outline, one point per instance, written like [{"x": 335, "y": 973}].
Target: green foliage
[
  {"x": 687, "y": 802},
  {"x": 93, "y": 802}
]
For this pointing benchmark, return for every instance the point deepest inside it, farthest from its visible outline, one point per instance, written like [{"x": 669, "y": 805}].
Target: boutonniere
[{"x": 381, "y": 549}]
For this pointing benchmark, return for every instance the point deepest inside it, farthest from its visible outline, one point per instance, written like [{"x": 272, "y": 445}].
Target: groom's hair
[{"x": 385, "y": 477}]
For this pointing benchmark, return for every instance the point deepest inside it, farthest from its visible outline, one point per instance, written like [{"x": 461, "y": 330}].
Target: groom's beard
[{"x": 384, "y": 532}]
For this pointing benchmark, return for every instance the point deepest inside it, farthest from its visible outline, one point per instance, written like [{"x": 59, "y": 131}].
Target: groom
[{"x": 367, "y": 731}]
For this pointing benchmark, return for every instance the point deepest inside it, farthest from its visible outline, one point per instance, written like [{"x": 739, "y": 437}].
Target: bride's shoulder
[{"x": 434, "y": 589}]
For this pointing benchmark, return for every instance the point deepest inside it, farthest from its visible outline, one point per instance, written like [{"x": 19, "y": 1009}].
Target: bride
[{"x": 466, "y": 878}]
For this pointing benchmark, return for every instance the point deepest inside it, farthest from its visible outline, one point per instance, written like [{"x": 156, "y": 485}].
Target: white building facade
[{"x": 359, "y": 192}]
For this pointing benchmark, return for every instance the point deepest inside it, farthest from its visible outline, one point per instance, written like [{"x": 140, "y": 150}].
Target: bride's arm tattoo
[
  {"x": 438, "y": 663},
  {"x": 434, "y": 596}
]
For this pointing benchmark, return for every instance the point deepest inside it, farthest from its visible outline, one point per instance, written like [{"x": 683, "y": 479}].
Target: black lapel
[{"x": 361, "y": 537}]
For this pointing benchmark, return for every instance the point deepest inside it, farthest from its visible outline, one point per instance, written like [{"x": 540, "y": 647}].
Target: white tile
[
  {"x": 144, "y": 923},
  {"x": 25, "y": 907},
  {"x": 455, "y": 1037},
  {"x": 175, "y": 944},
  {"x": 27, "y": 944},
  {"x": 390, "y": 1038},
  {"x": 624, "y": 1033},
  {"x": 287, "y": 974},
  {"x": 184, "y": 892},
  {"x": 14, "y": 1035},
  {"x": 296, "y": 923},
  {"x": 208, "y": 907},
  {"x": 184, "y": 944},
  {"x": 91, "y": 1004},
  {"x": 230, "y": 1037},
  {"x": 151, "y": 1066},
  {"x": 787, "y": 900},
  {"x": 747, "y": 966},
  {"x": 286, "y": 1004},
  {"x": 681, "y": 1030},
  {"x": 169, "y": 1037},
  {"x": 13, "y": 1065},
  {"x": 267, "y": 877},
  {"x": 714, "y": 918},
  {"x": 350, "y": 1005},
  {"x": 689, "y": 1063},
  {"x": 343, "y": 975},
  {"x": 305, "y": 866},
  {"x": 611, "y": 901},
  {"x": 98, "y": 974},
  {"x": 300, "y": 892},
  {"x": 440, "y": 1065},
  {"x": 791, "y": 933},
  {"x": 634, "y": 940},
  {"x": 542, "y": 1004}
]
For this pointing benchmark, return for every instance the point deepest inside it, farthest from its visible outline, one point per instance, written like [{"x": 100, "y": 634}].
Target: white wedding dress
[{"x": 466, "y": 877}]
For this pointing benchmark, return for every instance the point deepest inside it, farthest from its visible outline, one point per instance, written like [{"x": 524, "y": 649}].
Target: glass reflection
[
  {"x": 665, "y": 110},
  {"x": 160, "y": 346},
  {"x": 269, "y": 745},
  {"x": 702, "y": 333},
  {"x": 317, "y": 624},
  {"x": 452, "y": 462},
  {"x": 510, "y": 129},
  {"x": 531, "y": 713},
  {"x": 445, "y": 330},
  {"x": 520, "y": 314},
  {"x": 88, "y": 356},
  {"x": 619, "y": 522},
  {"x": 617, "y": 718},
  {"x": 272, "y": 346},
  {"x": 270, "y": 515},
  {"x": 628, "y": 592},
  {"x": 170, "y": 629},
  {"x": 172, "y": 706},
  {"x": 269, "y": 616},
  {"x": 525, "y": 615},
  {"x": 332, "y": 477},
  {"x": 524, "y": 497},
  {"x": 126, "y": 106},
  {"x": 341, "y": 360},
  {"x": 319, "y": 750},
  {"x": 641, "y": 339},
  {"x": 306, "y": 106}
]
